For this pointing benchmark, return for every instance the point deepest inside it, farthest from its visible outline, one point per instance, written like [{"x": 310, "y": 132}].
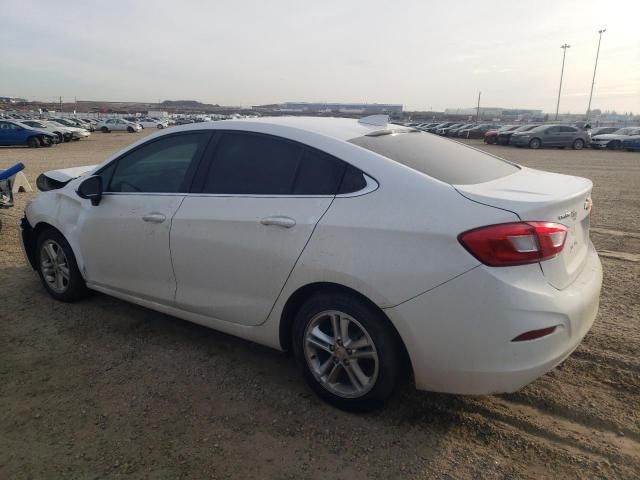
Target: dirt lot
[{"x": 105, "y": 389}]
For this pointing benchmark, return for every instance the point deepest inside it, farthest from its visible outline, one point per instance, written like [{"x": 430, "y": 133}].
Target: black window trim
[
  {"x": 204, "y": 167},
  {"x": 185, "y": 187}
]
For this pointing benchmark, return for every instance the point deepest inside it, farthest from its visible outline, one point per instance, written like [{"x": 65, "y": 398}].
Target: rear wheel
[
  {"x": 57, "y": 267},
  {"x": 347, "y": 351},
  {"x": 578, "y": 144},
  {"x": 535, "y": 143},
  {"x": 33, "y": 142}
]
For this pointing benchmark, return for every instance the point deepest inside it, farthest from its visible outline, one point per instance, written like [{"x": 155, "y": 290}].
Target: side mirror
[{"x": 91, "y": 188}]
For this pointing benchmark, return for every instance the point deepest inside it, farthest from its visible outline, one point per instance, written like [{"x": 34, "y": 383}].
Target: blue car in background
[
  {"x": 631, "y": 144},
  {"x": 13, "y": 133}
]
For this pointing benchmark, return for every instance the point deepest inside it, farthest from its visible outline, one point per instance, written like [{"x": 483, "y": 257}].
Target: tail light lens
[{"x": 520, "y": 243}]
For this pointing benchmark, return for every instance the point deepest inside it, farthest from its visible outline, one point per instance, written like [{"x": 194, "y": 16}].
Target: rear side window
[
  {"x": 253, "y": 165},
  {"x": 258, "y": 164},
  {"x": 442, "y": 159}
]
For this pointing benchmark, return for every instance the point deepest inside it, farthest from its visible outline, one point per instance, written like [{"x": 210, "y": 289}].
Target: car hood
[{"x": 67, "y": 174}]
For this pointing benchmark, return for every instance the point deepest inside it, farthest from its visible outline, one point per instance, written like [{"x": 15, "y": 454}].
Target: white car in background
[
  {"x": 118, "y": 125},
  {"x": 355, "y": 244},
  {"x": 153, "y": 123},
  {"x": 76, "y": 132},
  {"x": 613, "y": 141}
]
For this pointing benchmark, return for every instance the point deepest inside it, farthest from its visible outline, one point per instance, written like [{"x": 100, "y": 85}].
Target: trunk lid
[{"x": 535, "y": 195}]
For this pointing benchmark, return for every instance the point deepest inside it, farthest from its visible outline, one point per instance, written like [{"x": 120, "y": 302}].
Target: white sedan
[
  {"x": 153, "y": 123},
  {"x": 118, "y": 125},
  {"x": 355, "y": 244}
]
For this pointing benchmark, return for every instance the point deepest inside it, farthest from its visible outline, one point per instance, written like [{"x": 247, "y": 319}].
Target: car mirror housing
[{"x": 91, "y": 188}]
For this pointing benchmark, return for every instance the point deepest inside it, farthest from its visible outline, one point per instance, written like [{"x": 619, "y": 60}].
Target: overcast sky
[{"x": 423, "y": 54}]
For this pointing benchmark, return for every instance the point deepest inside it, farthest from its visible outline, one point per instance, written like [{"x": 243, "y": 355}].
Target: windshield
[{"x": 447, "y": 161}]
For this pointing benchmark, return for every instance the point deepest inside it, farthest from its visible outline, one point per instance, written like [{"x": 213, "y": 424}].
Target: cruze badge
[{"x": 573, "y": 214}]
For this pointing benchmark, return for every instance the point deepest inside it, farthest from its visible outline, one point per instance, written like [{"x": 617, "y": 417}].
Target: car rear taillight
[{"x": 508, "y": 244}]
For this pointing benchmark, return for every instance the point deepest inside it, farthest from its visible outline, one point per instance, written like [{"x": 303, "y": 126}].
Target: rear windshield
[{"x": 442, "y": 159}]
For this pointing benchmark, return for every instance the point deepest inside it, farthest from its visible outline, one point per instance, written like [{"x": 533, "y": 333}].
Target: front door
[
  {"x": 125, "y": 239},
  {"x": 235, "y": 241}
]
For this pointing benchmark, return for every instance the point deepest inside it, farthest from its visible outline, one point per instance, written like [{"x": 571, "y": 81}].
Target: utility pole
[
  {"x": 564, "y": 54},
  {"x": 600, "y": 32},
  {"x": 478, "y": 109},
  {"x": 60, "y": 103}
]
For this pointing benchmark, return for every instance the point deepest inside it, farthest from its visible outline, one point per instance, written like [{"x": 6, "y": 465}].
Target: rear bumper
[{"x": 459, "y": 335}]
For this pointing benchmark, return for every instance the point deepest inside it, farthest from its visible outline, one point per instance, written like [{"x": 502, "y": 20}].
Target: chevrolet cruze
[{"x": 353, "y": 244}]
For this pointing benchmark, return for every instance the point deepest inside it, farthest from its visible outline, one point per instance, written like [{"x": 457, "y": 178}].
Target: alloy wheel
[
  {"x": 341, "y": 354},
  {"x": 54, "y": 266}
]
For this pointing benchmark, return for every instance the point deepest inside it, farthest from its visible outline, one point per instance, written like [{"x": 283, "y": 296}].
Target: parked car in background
[
  {"x": 477, "y": 131},
  {"x": 85, "y": 124},
  {"x": 631, "y": 144},
  {"x": 439, "y": 125},
  {"x": 504, "y": 137},
  {"x": 12, "y": 132},
  {"x": 560, "y": 136},
  {"x": 184, "y": 121},
  {"x": 453, "y": 132},
  {"x": 491, "y": 137},
  {"x": 118, "y": 125},
  {"x": 63, "y": 133},
  {"x": 469, "y": 265},
  {"x": 148, "y": 122},
  {"x": 444, "y": 130},
  {"x": 426, "y": 126},
  {"x": 613, "y": 141},
  {"x": 76, "y": 132},
  {"x": 602, "y": 130}
]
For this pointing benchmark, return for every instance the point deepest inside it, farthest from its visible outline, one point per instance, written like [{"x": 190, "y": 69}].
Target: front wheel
[
  {"x": 347, "y": 351},
  {"x": 535, "y": 143},
  {"x": 490, "y": 140},
  {"x": 57, "y": 267},
  {"x": 131, "y": 130},
  {"x": 615, "y": 145},
  {"x": 160, "y": 126},
  {"x": 578, "y": 144},
  {"x": 104, "y": 129},
  {"x": 33, "y": 142}
]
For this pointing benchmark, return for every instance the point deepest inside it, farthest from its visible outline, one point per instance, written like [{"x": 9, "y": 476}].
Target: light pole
[
  {"x": 564, "y": 54},
  {"x": 478, "y": 109},
  {"x": 600, "y": 32}
]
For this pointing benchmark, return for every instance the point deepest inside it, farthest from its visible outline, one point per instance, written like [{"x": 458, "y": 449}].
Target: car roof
[{"x": 338, "y": 128}]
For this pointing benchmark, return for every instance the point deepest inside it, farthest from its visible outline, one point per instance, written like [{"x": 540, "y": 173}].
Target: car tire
[
  {"x": 57, "y": 267},
  {"x": 535, "y": 143},
  {"x": 160, "y": 126},
  {"x": 104, "y": 129},
  {"x": 130, "y": 130},
  {"x": 364, "y": 378},
  {"x": 578, "y": 144},
  {"x": 614, "y": 145},
  {"x": 67, "y": 137},
  {"x": 490, "y": 140},
  {"x": 46, "y": 142},
  {"x": 60, "y": 137},
  {"x": 33, "y": 142}
]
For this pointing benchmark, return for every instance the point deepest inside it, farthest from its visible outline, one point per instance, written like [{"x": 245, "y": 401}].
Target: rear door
[{"x": 236, "y": 238}]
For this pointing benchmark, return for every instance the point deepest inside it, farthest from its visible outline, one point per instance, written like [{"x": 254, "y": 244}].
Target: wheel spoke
[
  {"x": 353, "y": 378},
  {"x": 344, "y": 329},
  {"x": 362, "y": 342},
  {"x": 334, "y": 326},
  {"x": 363, "y": 354},
  {"x": 320, "y": 339},
  {"x": 357, "y": 371},
  {"x": 51, "y": 252},
  {"x": 64, "y": 270},
  {"x": 324, "y": 368},
  {"x": 333, "y": 376},
  {"x": 59, "y": 280}
]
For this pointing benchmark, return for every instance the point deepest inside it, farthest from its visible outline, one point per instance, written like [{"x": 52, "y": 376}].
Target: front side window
[{"x": 159, "y": 166}]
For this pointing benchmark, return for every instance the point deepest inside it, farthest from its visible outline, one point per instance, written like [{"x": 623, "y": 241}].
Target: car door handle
[
  {"x": 284, "y": 222},
  {"x": 154, "y": 218}
]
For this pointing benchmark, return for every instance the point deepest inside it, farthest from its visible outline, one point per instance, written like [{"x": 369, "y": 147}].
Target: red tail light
[{"x": 519, "y": 243}]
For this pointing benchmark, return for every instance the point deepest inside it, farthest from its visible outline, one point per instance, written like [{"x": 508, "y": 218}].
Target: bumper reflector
[{"x": 533, "y": 334}]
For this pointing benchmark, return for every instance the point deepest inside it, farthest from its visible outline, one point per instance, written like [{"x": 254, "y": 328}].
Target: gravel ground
[{"x": 106, "y": 389}]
